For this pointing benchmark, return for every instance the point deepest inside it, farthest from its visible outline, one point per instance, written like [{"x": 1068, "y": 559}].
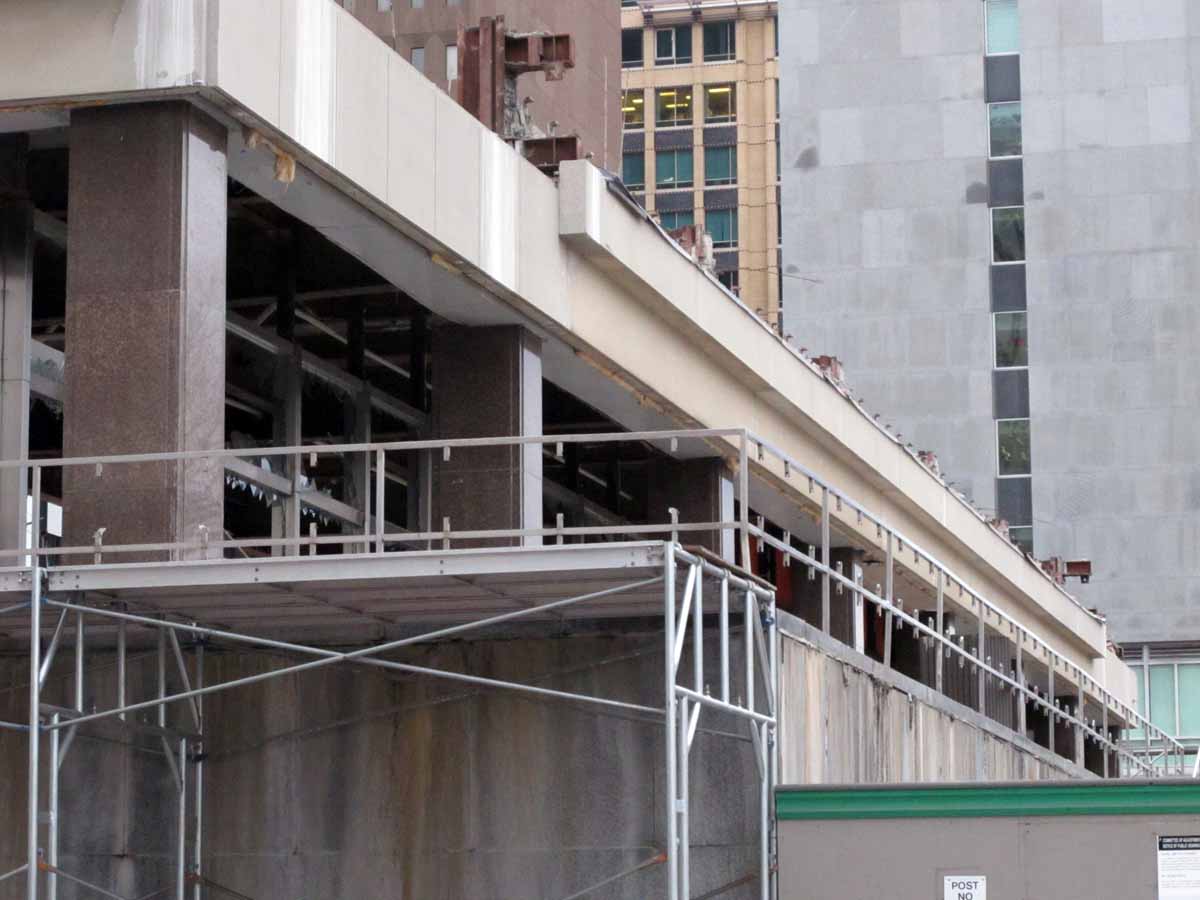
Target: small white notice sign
[
  {"x": 1179, "y": 867},
  {"x": 965, "y": 887}
]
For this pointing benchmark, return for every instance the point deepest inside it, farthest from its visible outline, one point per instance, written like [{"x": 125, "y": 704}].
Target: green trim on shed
[{"x": 1084, "y": 798}]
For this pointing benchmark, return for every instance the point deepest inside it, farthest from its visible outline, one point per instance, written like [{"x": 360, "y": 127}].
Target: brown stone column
[
  {"x": 487, "y": 382},
  {"x": 16, "y": 312},
  {"x": 701, "y": 490},
  {"x": 145, "y": 359}
]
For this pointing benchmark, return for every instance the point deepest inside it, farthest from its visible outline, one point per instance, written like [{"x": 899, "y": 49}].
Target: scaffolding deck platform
[{"x": 336, "y": 597}]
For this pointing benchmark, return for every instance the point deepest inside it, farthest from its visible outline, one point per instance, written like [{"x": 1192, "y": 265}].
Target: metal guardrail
[{"x": 373, "y": 533}]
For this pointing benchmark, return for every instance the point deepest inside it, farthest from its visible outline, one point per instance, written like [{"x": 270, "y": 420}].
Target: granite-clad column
[
  {"x": 16, "y": 313},
  {"x": 487, "y": 382},
  {"x": 145, "y": 358},
  {"x": 701, "y": 490}
]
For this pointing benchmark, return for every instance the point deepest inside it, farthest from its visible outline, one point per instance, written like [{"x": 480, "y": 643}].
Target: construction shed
[{"x": 1070, "y": 840}]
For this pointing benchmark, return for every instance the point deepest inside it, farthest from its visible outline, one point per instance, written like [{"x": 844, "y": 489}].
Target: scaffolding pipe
[
  {"x": 685, "y": 838},
  {"x": 14, "y": 872},
  {"x": 329, "y": 657},
  {"x": 181, "y": 858},
  {"x": 669, "y": 742},
  {"x": 197, "y": 841},
  {"x": 35, "y": 647},
  {"x": 52, "y": 648},
  {"x": 52, "y": 819}
]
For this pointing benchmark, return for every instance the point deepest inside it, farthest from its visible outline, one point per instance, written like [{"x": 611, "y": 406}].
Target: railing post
[
  {"x": 981, "y": 655},
  {"x": 890, "y": 596},
  {"x": 724, "y": 629},
  {"x": 1146, "y": 714},
  {"x": 744, "y": 499},
  {"x": 1050, "y": 696},
  {"x": 380, "y": 500},
  {"x": 1020, "y": 692},
  {"x": 938, "y": 665},
  {"x": 825, "y": 559},
  {"x": 1080, "y": 735},
  {"x": 1104, "y": 731}
]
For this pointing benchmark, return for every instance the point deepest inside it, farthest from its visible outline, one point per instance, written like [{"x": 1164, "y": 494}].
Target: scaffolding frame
[
  {"x": 683, "y": 613},
  {"x": 393, "y": 553}
]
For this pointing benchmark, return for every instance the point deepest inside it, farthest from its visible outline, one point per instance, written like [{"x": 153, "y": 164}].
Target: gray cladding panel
[
  {"x": 1006, "y": 183},
  {"x": 1002, "y": 77},
  {"x": 1008, "y": 288},
  {"x": 673, "y": 201},
  {"x": 726, "y": 262},
  {"x": 1010, "y": 393},
  {"x": 633, "y": 141},
  {"x": 1014, "y": 500},
  {"x": 676, "y": 139},
  {"x": 720, "y": 136},
  {"x": 886, "y": 243},
  {"x": 721, "y": 199}
]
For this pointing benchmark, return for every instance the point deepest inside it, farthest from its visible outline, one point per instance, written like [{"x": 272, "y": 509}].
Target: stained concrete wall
[
  {"x": 347, "y": 783},
  {"x": 845, "y": 719},
  {"x": 344, "y": 782}
]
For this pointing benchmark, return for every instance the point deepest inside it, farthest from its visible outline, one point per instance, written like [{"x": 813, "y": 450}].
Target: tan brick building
[{"x": 700, "y": 106}]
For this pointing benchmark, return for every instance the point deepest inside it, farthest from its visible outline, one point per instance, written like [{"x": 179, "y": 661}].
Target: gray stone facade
[{"x": 887, "y": 255}]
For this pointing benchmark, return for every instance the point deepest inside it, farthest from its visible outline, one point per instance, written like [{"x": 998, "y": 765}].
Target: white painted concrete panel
[
  {"x": 361, "y": 106},
  {"x": 499, "y": 230},
  {"x": 456, "y": 176},
  {"x": 410, "y": 191},
  {"x": 249, "y": 59},
  {"x": 308, "y": 87}
]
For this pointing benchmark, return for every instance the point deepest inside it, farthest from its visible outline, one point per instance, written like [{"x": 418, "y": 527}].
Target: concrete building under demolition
[
  {"x": 584, "y": 104},
  {"x": 384, "y": 514}
]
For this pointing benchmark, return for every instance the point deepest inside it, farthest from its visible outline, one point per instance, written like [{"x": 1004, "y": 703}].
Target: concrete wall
[
  {"x": 848, "y": 720},
  {"x": 343, "y": 782}
]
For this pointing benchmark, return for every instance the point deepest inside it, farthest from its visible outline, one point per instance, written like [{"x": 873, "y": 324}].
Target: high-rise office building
[
  {"x": 701, "y": 115},
  {"x": 585, "y": 102},
  {"x": 991, "y": 216}
]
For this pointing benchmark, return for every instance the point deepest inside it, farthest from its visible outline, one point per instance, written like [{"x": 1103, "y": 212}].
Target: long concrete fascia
[{"x": 573, "y": 259}]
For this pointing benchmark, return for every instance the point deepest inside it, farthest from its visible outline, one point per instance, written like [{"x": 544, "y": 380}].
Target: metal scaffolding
[
  {"x": 643, "y": 571},
  {"x": 663, "y": 570}
]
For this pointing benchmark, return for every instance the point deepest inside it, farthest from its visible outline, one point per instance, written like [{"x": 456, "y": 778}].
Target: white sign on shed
[{"x": 965, "y": 887}]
